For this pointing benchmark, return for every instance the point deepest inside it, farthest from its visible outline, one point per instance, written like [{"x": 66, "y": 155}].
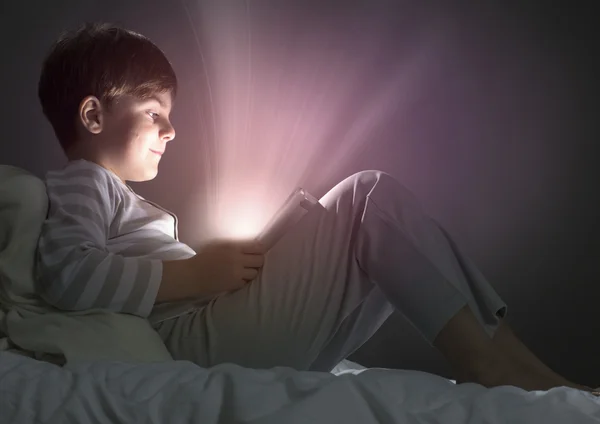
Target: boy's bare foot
[
  {"x": 500, "y": 361},
  {"x": 509, "y": 373},
  {"x": 524, "y": 361}
]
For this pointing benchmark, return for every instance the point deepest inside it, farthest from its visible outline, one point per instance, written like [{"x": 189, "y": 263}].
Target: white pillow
[
  {"x": 23, "y": 208},
  {"x": 30, "y": 323}
]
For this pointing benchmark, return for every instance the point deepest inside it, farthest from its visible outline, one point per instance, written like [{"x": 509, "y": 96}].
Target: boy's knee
[
  {"x": 383, "y": 189},
  {"x": 380, "y": 185},
  {"x": 364, "y": 182}
]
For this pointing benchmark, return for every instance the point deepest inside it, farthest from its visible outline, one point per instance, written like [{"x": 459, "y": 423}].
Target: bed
[
  {"x": 166, "y": 391},
  {"x": 32, "y": 391}
]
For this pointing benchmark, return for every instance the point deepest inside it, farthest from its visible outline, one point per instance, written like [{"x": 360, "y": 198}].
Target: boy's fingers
[
  {"x": 249, "y": 274},
  {"x": 252, "y": 247},
  {"x": 254, "y": 261}
]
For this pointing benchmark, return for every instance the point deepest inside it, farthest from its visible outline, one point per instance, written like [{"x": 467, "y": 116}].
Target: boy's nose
[{"x": 168, "y": 132}]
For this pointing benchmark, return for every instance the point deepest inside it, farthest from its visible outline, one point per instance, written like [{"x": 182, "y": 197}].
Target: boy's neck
[{"x": 75, "y": 154}]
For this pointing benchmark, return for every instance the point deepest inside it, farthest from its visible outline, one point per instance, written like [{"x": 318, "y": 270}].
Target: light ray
[{"x": 282, "y": 120}]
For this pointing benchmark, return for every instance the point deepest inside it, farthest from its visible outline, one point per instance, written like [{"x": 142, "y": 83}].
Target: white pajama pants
[{"x": 332, "y": 281}]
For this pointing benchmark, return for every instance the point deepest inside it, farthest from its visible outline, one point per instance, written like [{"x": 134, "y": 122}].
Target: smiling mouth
[{"x": 158, "y": 153}]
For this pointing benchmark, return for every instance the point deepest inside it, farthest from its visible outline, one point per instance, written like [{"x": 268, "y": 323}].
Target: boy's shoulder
[
  {"x": 81, "y": 169},
  {"x": 81, "y": 175}
]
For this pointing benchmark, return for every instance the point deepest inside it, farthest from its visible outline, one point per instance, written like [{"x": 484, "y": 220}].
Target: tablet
[{"x": 293, "y": 209}]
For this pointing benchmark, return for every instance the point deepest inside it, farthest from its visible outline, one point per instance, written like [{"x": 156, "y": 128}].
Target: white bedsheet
[{"x": 180, "y": 392}]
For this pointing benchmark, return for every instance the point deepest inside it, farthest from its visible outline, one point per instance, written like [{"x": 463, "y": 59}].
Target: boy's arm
[
  {"x": 179, "y": 282},
  {"x": 75, "y": 269}
]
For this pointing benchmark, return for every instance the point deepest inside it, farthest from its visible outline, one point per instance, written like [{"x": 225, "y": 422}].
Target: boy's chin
[
  {"x": 145, "y": 175},
  {"x": 150, "y": 176}
]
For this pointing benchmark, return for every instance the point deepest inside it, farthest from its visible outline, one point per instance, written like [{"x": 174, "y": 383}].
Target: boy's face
[{"x": 134, "y": 135}]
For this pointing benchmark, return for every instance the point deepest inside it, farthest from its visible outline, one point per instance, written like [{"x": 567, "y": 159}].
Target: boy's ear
[{"x": 91, "y": 114}]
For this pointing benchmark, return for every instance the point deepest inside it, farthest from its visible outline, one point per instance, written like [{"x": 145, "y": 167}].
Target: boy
[{"x": 326, "y": 286}]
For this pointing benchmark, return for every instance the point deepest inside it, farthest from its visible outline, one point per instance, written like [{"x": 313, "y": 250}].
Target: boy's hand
[{"x": 227, "y": 265}]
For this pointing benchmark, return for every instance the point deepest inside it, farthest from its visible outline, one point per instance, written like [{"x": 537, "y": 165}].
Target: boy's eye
[{"x": 153, "y": 115}]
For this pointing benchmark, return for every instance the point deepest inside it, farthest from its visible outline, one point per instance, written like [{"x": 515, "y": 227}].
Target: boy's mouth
[{"x": 157, "y": 152}]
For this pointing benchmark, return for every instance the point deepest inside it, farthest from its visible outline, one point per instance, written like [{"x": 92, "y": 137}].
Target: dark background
[{"x": 499, "y": 144}]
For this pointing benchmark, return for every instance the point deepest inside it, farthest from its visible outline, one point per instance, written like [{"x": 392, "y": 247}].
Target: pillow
[
  {"x": 23, "y": 208},
  {"x": 30, "y": 323}
]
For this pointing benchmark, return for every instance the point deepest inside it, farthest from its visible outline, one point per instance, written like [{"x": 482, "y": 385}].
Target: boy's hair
[{"x": 100, "y": 60}]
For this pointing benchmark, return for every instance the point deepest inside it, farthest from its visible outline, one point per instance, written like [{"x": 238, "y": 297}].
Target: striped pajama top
[{"x": 102, "y": 245}]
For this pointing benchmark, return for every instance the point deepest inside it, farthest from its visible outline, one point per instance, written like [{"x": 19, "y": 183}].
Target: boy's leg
[
  {"x": 328, "y": 284},
  {"x": 310, "y": 283},
  {"x": 527, "y": 362},
  {"x": 503, "y": 360}
]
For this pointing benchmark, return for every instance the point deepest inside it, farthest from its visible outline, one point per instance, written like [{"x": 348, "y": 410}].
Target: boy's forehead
[{"x": 164, "y": 99}]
